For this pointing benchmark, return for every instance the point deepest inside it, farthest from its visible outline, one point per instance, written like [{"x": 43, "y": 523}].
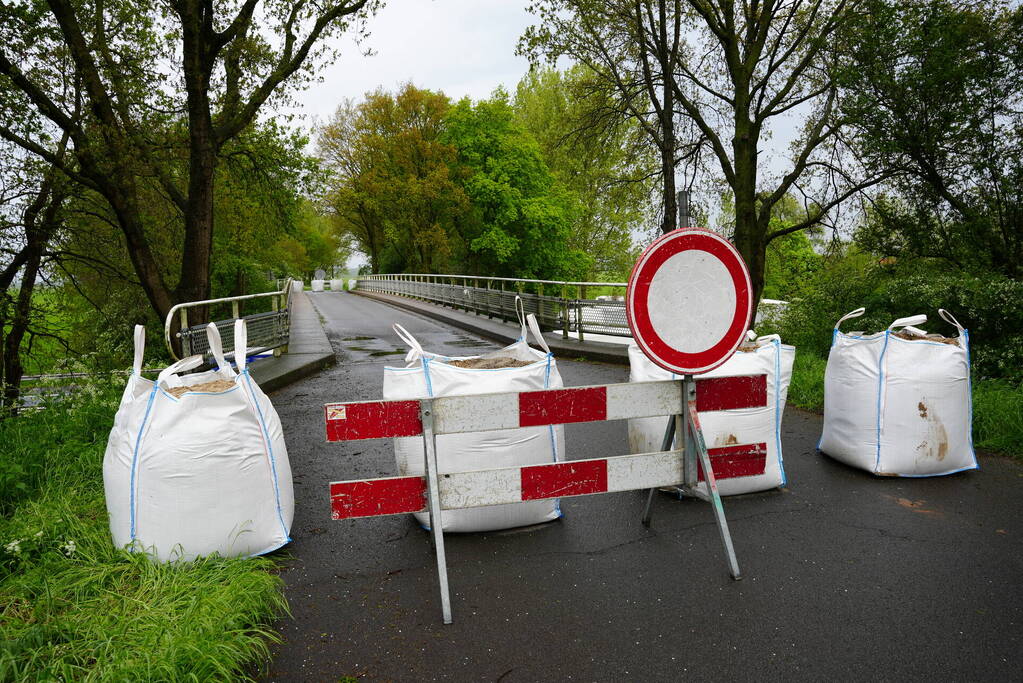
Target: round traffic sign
[{"x": 688, "y": 303}]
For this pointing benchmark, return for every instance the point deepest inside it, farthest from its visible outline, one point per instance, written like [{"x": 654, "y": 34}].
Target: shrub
[{"x": 990, "y": 306}]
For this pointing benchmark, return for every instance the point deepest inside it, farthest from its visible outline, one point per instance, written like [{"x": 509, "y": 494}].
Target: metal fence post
[
  {"x": 582, "y": 295},
  {"x": 504, "y": 311},
  {"x": 564, "y": 311}
]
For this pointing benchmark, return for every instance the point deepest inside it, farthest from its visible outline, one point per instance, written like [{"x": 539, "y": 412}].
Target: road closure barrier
[{"x": 434, "y": 494}]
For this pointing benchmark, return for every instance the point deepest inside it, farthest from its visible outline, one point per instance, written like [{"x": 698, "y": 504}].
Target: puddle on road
[
  {"x": 375, "y": 352},
  {"x": 357, "y": 338},
  {"x": 469, "y": 343}
]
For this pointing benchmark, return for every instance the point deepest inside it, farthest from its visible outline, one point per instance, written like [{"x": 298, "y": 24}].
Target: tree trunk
[
  {"x": 203, "y": 147},
  {"x": 38, "y": 230},
  {"x": 749, "y": 233}
]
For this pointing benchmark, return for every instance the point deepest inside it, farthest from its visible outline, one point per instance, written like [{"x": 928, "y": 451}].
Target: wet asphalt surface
[{"x": 846, "y": 576}]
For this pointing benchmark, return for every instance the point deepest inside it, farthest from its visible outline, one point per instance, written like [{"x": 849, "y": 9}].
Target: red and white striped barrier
[
  {"x": 482, "y": 412},
  {"x": 460, "y": 414}
]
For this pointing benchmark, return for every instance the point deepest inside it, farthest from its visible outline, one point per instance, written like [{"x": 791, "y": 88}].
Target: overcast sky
[{"x": 460, "y": 47}]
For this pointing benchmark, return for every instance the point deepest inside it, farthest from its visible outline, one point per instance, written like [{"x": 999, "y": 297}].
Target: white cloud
[{"x": 460, "y": 47}]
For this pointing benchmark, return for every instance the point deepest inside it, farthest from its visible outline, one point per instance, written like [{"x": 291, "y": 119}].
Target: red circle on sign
[{"x": 637, "y": 305}]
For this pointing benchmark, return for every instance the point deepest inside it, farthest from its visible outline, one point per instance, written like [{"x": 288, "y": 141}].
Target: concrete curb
[
  {"x": 308, "y": 352},
  {"x": 505, "y": 333}
]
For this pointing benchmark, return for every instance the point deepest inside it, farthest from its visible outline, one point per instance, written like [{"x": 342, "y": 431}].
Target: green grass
[
  {"x": 998, "y": 416},
  {"x": 807, "y": 387},
  {"x": 72, "y": 607},
  {"x": 997, "y": 405}
]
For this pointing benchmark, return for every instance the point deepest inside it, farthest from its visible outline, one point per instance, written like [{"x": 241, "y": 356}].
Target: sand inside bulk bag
[{"x": 767, "y": 356}]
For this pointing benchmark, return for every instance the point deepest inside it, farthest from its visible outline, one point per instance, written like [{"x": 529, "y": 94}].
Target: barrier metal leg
[
  {"x": 433, "y": 494},
  {"x": 669, "y": 436},
  {"x": 696, "y": 445}
]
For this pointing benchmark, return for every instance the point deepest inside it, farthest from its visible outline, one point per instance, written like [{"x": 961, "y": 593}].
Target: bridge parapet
[
  {"x": 558, "y": 305},
  {"x": 268, "y": 330}
]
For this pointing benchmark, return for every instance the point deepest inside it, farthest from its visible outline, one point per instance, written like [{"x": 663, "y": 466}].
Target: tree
[
  {"x": 521, "y": 216},
  {"x": 32, "y": 212},
  {"x": 632, "y": 50},
  {"x": 147, "y": 79},
  {"x": 393, "y": 188},
  {"x": 933, "y": 96},
  {"x": 608, "y": 174},
  {"x": 743, "y": 66}
]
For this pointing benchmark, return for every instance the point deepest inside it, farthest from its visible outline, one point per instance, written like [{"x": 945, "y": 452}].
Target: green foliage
[
  {"x": 806, "y": 390},
  {"x": 606, "y": 167},
  {"x": 521, "y": 217},
  {"x": 393, "y": 188},
  {"x": 423, "y": 186},
  {"x": 72, "y": 607},
  {"x": 998, "y": 416},
  {"x": 932, "y": 101},
  {"x": 990, "y": 307}
]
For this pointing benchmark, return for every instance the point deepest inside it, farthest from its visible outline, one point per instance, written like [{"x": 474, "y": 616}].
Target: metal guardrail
[
  {"x": 558, "y": 305},
  {"x": 266, "y": 331}
]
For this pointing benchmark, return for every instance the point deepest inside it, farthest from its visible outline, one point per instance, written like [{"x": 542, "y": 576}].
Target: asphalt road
[{"x": 846, "y": 576}]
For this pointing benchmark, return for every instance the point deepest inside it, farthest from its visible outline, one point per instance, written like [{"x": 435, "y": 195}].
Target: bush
[
  {"x": 998, "y": 416},
  {"x": 989, "y": 306},
  {"x": 806, "y": 390},
  {"x": 74, "y": 607}
]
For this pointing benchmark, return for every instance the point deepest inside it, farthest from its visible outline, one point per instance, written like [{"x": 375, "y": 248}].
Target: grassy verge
[
  {"x": 72, "y": 607},
  {"x": 997, "y": 405},
  {"x": 998, "y": 416},
  {"x": 807, "y": 387}
]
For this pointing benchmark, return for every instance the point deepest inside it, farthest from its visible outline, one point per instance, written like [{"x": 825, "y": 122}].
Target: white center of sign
[{"x": 691, "y": 301}]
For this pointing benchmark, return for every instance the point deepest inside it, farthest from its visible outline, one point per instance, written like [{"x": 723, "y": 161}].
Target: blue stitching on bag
[
  {"x": 880, "y": 387},
  {"x": 134, "y": 462},
  {"x": 426, "y": 375},
  {"x": 270, "y": 453},
  {"x": 969, "y": 385},
  {"x": 777, "y": 406},
  {"x": 550, "y": 429}
]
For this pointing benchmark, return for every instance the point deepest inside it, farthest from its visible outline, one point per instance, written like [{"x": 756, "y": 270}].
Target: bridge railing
[
  {"x": 268, "y": 330},
  {"x": 580, "y": 307}
]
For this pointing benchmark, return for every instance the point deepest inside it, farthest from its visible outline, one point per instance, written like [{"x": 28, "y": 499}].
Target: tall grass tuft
[
  {"x": 998, "y": 416},
  {"x": 72, "y": 607},
  {"x": 806, "y": 389}
]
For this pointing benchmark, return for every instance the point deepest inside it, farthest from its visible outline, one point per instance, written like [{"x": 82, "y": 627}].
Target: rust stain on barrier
[{"x": 922, "y": 407}]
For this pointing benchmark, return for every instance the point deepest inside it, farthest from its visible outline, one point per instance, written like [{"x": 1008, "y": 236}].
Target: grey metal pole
[
  {"x": 682, "y": 199},
  {"x": 433, "y": 501}
]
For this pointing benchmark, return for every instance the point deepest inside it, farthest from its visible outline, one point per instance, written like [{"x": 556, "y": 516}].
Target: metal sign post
[{"x": 688, "y": 307}]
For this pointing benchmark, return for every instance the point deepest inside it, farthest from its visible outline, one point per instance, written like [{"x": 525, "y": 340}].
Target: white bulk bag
[
  {"x": 297, "y": 285},
  {"x": 317, "y": 285},
  {"x": 725, "y": 427},
  {"x": 352, "y": 284},
  {"x": 899, "y": 407},
  {"x": 337, "y": 285},
  {"x": 430, "y": 375},
  {"x": 200, "y": 474}
]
